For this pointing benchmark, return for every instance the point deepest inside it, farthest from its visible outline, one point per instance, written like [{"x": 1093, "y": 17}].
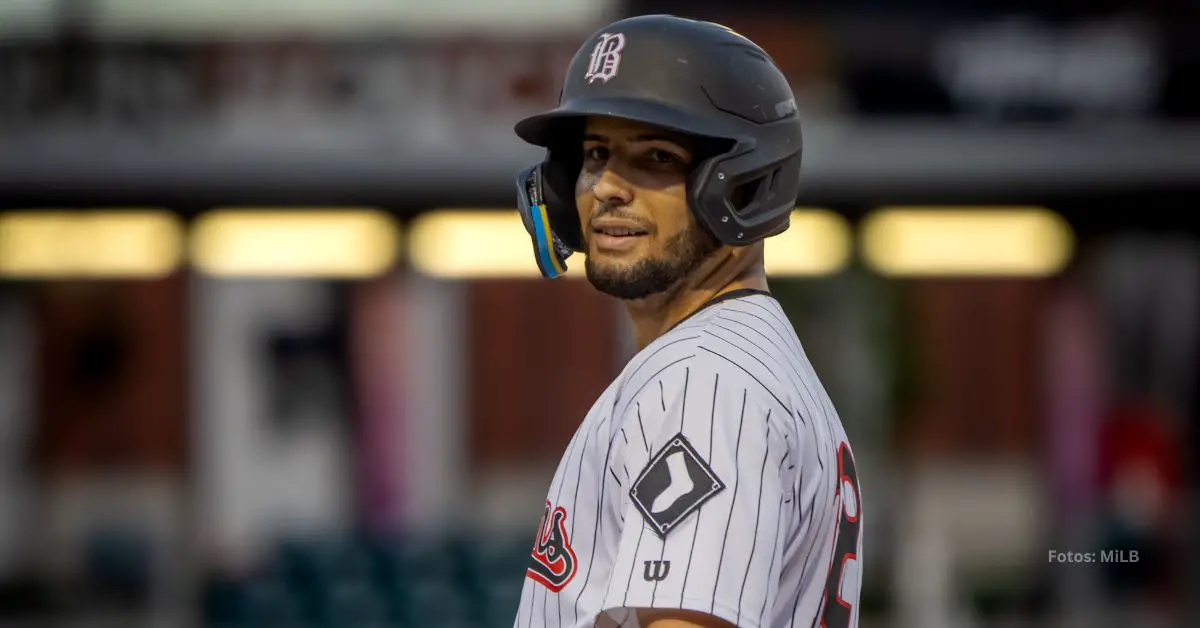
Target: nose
[{"x": 612, "y": 189}]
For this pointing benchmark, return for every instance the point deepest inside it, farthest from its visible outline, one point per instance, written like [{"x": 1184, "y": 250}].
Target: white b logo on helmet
[{"x": 606, "y": 58}]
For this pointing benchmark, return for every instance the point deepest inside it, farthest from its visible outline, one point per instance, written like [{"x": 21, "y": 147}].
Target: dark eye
[
  {"x": 661, "y": 156},
  {"x": 596, "y": 153}
]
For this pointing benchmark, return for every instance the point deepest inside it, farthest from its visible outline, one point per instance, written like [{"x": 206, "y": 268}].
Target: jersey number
[{"x": 836, "y": 612}]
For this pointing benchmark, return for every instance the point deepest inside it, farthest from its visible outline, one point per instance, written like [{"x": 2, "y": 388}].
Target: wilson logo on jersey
[
  {"x": 553, "y": 562},
  {"x": 673, "y": 485},
  {"x": 656, "y": 570}
]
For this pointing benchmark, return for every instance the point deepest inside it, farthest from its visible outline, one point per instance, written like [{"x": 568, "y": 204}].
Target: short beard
[{"x": 683, "y": 254}]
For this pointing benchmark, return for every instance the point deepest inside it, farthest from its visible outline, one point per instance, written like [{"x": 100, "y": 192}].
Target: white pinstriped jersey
[{"x": 714, "y": 475}]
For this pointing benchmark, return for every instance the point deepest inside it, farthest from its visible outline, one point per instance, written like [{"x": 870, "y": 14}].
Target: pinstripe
[
  {"x": 596, "y": 531},
  {"x": 762, "y": 614},
  {"x": 712, "y": 421},
  {"x": 682, "y": 417},
  {"x": 762, "y": 475},
  {"x": 638, "y": 391},
  {"x": 725, "y": 537}
]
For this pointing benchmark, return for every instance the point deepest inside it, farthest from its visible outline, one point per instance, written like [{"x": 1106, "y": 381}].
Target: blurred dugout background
[{"x": 218, "y": 412}]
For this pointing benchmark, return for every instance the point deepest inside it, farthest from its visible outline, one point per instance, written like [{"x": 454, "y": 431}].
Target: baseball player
[{"x": 712, "y": 483}]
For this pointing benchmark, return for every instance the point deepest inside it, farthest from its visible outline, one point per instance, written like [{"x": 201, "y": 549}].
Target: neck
[{"x": 656, "y": 314}]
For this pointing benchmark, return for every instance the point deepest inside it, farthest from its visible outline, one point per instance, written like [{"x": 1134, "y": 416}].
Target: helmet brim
[{"x": 546, "y": 129}]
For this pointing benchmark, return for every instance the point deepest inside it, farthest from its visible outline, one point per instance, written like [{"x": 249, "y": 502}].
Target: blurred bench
[{"x": 448, "y": 581}]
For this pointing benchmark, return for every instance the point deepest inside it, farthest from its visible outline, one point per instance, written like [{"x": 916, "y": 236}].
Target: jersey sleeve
[{"x": 704, "y": 514}]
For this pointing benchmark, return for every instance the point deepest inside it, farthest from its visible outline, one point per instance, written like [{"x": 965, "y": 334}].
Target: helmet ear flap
[
  {"x": 743, "y": 198},
  {"x": 546, "y": 204},
  {"x": 559, "y": 176}
]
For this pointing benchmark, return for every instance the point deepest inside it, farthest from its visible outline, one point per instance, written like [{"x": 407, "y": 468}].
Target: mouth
[
  {"x": 619, "y": 232},
  {"x": 616, "y": 236},
  {"x": 617, "y": 227}
]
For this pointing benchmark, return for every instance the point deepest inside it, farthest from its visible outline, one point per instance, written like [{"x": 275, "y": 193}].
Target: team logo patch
[
  {"x": 606, "y": 58},
  {"x": 676, "y": 482},
  {"x": 552, "y": 562}
]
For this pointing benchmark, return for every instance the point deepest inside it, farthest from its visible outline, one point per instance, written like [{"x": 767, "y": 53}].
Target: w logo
[
  {"x": 606, "y": 58},
  {"x": 656, "y": 570}
]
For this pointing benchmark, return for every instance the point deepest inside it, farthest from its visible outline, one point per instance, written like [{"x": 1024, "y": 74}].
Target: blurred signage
[
  {"x": 993, "y": 68},
  {"x": 25, "y": 18},
  {"x": 225, "y": 18},
  {"x": 449, "y": 90},
  {"x": 1017, "y": 68}
]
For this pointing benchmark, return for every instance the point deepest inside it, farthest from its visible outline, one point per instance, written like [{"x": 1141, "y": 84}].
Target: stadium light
[
  {"x": 50, "y": 244},
  {"x": 992, "y": 241},
  {"x": 350, "y": 243},
  {"x": 818, "y": 242},
  {"x": 476, "y": 244}
]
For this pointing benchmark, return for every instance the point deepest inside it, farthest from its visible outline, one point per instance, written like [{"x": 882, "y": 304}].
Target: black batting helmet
[{"x": 696, "y": 78}]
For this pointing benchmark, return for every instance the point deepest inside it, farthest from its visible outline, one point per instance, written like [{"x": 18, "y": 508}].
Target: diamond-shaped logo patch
[{"x": 675, "y": 482}]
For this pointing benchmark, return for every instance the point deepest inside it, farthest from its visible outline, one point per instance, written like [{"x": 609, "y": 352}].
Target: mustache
[{"x": 605, "y": 211}]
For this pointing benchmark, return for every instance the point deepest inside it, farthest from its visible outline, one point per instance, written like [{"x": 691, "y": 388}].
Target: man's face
[{"x": 631, "y": 194}]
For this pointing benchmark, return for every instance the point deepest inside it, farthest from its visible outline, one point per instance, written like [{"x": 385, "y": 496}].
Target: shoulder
[{"x": 703, "y": 358}]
